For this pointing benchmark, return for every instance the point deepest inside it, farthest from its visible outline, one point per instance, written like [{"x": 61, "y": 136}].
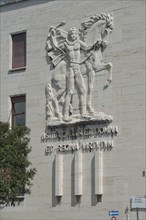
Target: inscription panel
[{"x": 87, "y": 138}]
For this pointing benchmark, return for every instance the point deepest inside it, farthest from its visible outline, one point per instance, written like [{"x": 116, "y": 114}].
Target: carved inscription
[
  {"x": 105, "y": 145},
  {"x": 79, "y": 132},
  {"x": 87, "y": 138}
]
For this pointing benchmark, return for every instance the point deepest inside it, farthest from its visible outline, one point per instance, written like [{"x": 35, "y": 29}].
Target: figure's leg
[
  {"x": 91, "y": 75},
  {"x": 56, "y": 107},
  {"x": 82, "y": 92},
  {"x": 69, "y": 92},
  {"x": 109, "y": 68},
  {"x": 67, "y": 106},
  {"x": 90, "y": 90}
]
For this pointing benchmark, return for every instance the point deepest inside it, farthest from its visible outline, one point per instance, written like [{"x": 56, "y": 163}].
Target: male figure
[{"x": 72, "y": 46}]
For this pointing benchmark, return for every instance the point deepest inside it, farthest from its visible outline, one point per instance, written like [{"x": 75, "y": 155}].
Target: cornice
[{"x": 7, "y": 2}]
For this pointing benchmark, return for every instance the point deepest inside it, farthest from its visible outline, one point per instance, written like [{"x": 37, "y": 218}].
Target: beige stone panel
[{"x": 59, "y": 174}]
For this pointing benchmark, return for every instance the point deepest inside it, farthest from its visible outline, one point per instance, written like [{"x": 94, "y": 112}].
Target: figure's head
[{"x": 72, "y": 34}]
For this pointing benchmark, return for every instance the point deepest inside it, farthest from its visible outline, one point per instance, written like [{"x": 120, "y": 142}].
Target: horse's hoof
[{"x": 107, "y": 84}]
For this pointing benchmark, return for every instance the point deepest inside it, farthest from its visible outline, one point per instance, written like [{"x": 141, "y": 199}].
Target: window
[
  {"x": 18, "y": 50},
  {"x": 18, "y": 110}
]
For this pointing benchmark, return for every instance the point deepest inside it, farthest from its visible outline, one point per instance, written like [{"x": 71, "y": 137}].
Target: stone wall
[{"x": 124, "y": 164}]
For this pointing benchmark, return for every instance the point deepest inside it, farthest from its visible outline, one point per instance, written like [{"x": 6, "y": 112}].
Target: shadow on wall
[
  {"x": 9, "y": 5},
  {"x": 73, "y": 197},
  {"x": 54, "y": 198}
]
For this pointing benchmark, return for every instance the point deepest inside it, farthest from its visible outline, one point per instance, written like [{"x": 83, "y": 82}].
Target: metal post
[
  {"x": 127, "y": 213},
  {"x": 137, "y": 213}
]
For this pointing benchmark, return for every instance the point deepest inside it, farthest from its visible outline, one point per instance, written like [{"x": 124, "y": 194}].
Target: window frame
[
  {"x": 11, "y": 51},
  {"x": 17, "y": 99}
]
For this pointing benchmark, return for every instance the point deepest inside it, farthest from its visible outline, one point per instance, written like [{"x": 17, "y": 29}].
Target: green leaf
[{"x": 16, "y": 175}]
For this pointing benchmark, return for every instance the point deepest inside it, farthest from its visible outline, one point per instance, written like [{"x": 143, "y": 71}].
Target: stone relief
[{"x": 73, "y": 55}]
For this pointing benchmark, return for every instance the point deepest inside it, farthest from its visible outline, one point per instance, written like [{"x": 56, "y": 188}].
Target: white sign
[{"x": 138, "y": 202}]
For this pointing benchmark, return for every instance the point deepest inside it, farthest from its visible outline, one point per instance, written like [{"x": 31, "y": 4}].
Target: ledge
[
  {"x": 98, "y": 117},
  {"x": 18, "y": 69},
  {"x": 6, "y": 2}
]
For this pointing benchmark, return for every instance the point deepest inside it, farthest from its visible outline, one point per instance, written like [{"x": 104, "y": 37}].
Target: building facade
[{"x": 89, "y": 161}]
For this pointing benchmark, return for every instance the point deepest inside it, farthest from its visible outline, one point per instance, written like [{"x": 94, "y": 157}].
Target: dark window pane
[
  {"x": 20, "y": 98},
  {"x": 18, "y": 110},
  {"x": 19, "y": 120},
  {"x": 19, "y": 50},
  {"x": 18, "y": 107}
]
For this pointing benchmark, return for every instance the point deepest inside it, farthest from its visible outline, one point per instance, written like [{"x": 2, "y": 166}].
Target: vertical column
[
  {"x": 78, "y": 173},
  {"x": 98, "y": 173},
  {"x": 59, "y": 174}
]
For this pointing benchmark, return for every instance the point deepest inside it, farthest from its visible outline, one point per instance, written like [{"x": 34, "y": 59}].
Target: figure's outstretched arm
[
  {"x": 85, "y": 47},
  {"x": 98, "y": 44}
]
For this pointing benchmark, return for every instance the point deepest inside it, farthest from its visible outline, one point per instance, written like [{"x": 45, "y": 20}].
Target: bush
[{"x": 16, "y": 173}]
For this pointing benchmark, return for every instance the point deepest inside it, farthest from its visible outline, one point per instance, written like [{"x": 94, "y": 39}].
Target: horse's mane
[{"x": 93, "y": 19}]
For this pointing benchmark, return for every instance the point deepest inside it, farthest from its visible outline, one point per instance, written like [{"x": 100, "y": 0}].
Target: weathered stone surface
[{"x": 124, "y": 101}]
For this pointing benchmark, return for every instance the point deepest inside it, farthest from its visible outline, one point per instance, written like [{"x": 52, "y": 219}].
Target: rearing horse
[
  {"x": 98, "y": 27},
  {"x": 96, "y": 32}
]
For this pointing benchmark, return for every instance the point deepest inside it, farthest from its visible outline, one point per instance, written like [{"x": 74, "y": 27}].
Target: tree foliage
[{"x": 16, "y": 172}]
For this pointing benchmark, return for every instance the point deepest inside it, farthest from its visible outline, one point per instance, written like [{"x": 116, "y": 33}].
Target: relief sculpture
[{"x": 75, "y": 54}]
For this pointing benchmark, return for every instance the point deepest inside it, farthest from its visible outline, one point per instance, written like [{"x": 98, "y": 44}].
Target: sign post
[
  {"x": 126, "y": 213},
  {"x": 113, "y": 218},
  {"x": 113, "y": 213},
  {"x": 138, "y": 202},
  {"x": 137, "y": 214}
]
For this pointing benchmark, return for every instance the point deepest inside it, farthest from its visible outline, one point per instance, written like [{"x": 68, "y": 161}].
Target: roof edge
[{"x": 7, "y": 2}]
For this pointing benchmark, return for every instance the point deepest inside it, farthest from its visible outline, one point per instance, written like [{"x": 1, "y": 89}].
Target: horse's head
[
  {"x": 98, "y": 27},
  {"x": 107, "y": 28}
]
